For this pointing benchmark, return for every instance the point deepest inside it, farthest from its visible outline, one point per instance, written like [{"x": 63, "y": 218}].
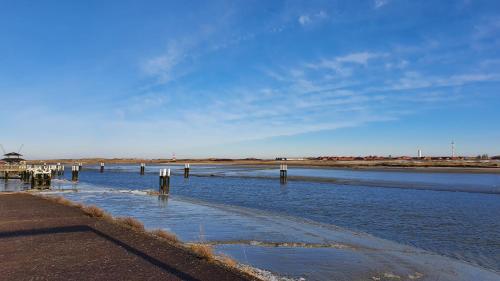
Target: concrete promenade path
[{"x": 43, "y": 240}]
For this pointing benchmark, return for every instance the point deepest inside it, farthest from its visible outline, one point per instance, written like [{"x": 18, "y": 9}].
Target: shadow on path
[{"x": 86, "y": 228}]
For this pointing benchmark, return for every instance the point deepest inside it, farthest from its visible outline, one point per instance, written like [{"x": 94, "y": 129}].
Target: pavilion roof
[
  {"x": 11, "y": 160},
  {"x": 12, "y": 154}
]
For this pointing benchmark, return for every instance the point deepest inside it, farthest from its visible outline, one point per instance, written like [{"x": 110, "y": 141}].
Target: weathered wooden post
[
  {"x": 46, "y": 179},
  {"x": 283, "y": 173},
  {"x": 39, "y": 179},
  {"x": 26, "y": 176},
  {"x": 6, "y": 175},
  {"x": 32, "y": 180},
  {"x": 186, "y": 170},
  {"x": 164, "y": 181},
  {"x": 161, "y": 187},
  {"x": 143, "y": 168},
  {"x": 80, "y": 166},
  {"x": 167, "y": 182},
  {"x": 102, "y": 167},
  {"x": 74, "y": 173}
]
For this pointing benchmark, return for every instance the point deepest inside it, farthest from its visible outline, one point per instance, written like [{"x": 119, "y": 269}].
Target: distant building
[
  {"x": 280, "y": 159},
  {"x": 419, "y": 153}
]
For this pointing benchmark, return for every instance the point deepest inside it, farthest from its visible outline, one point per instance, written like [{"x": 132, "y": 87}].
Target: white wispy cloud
[
  {"x": 342, "y": 65},
  {"x": 307, "y": 19},
  {"x": 413, "y": 80},
  {"x": 359, "y": 58},
  {"x": 163, "y": 65},
  {"x": 380, "y": 3}
]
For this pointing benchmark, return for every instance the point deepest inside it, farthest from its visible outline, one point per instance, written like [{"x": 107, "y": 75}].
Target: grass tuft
[
  {"x": 227, "y": 261},
  {"x": 130, "y": 223},
  {"x": 94, "y": 211},
  {"x": 62, "y": 200},
  {"x": 203, "y": 251},
  {"x": 170, "y": 237}
]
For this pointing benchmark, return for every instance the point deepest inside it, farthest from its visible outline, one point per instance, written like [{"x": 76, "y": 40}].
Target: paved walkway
[{"x": 42, "y": 240}]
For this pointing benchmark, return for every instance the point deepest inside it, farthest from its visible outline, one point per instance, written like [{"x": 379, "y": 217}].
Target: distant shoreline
[{"x": 447, "y": 166}]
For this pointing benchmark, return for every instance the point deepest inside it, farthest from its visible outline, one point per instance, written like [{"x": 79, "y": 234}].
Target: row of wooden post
[{"x": 41, "y": 179}]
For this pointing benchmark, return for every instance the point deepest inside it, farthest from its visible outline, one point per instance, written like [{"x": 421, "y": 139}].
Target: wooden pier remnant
[
  {"x": 40, "y": 177},
  {"x": 283, "y": 173},
  {"x": 74, "y": 172},
  {"x": 186, "y": 170},
  {"x": 164, "y": 181},
  {"x": 143, "y": 168},
  {"x": 60, "y": 169},
  {"x": 80, "y": 166},
  {"x": 102, "y": 167}
]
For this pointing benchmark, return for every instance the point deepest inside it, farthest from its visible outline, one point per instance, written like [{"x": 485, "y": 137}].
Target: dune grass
[
  {"x": 203, "y": 251},
  {"x": 94, "y": 211},
  {"x": 170, "y": 237},
  {"x": 227, "y": 261},
  {"x": 130, "y": 223}
]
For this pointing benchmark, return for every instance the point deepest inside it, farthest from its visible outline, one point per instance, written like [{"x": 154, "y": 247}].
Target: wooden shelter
[{"x": 12, "y": 158}]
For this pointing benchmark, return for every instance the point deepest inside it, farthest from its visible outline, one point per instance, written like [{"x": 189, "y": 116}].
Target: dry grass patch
[
  {"x": 130, "y": 223},
  {"x": 170, "y": 237},
  {"x": 94, "y": 211},
  {"x": 227, "y": 261},
  {"x": 61, "y": 200},
  {"x": 203, "y": 251}
]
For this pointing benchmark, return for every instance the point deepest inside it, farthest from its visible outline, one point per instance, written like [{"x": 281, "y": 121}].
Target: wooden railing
[{"x": 12, "y": 167}]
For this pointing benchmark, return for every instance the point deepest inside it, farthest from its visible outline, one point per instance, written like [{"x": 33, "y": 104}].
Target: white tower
[
  {"x": 452, "y": 149},
  {"x": 419, "y": 153}
]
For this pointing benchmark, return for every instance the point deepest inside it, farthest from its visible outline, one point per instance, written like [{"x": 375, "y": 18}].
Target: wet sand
[{"x": 44, "y": 240}]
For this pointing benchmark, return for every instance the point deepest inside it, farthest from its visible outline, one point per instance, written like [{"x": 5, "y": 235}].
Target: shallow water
[{"x": 236, "y": 206}]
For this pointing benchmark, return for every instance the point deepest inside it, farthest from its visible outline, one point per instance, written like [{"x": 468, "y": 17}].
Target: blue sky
[{"x": 249, "y": 78}]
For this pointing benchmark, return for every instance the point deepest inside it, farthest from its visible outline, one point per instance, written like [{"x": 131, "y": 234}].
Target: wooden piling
[
  {"x": 164, "y": 181},
  {"x": 143, "y": 168},
  {"x": 186, "y": 170},
  {"x": 74, "y": 172},
  {"x": 160, "y": 189},
  {"x": 167, "y": 182},
  {"x": 33, "y": 183},
  {"x": 102, "y": 167},
  {"x": 283, "y": 173},
  {"x": 46, "y": 180}
]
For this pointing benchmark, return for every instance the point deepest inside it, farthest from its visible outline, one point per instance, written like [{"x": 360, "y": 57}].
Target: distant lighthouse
[
  {"x": 452, "y": 149},
  {"x": 419, "y": 153}
]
